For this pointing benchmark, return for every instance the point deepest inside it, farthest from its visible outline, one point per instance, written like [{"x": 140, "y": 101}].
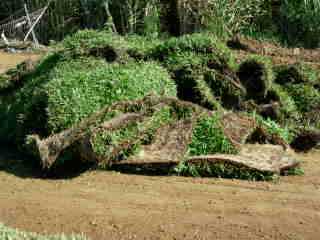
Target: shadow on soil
[
  {"x": 15, "y": 163},
  {"x": 154, "y": 169},
  {"x": 23, "y": 166}
]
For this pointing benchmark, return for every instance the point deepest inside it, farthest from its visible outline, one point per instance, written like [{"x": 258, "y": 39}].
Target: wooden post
[{"x": 30, "y": 25}]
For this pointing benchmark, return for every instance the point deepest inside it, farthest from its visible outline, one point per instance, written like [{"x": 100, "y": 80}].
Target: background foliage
[{"x": 294, "y": 22}]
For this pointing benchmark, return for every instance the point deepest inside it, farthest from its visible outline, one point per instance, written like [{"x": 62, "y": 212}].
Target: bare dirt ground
[
  {"x": 280, "y": 55},
  {"x": 110, "y": 205},
  {"x": 9, "y": 60}
]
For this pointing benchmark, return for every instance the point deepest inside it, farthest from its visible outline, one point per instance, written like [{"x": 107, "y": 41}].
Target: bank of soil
[
  {"x": 10, "y": 60},
  {"x": 279, "y": 55},
  {"x": 111, "y": 205}
]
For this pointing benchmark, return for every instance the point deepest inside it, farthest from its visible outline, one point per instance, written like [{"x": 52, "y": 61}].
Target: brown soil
[
  {"x": 9, "y": 60},
  {"x": 110, "y": 205},
  {"x": 280, "y": 55}
]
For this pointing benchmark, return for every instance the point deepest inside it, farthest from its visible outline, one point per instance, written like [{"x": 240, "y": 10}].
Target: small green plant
[
  {"x": 221, "y": 170},
  {"x": 208, "y": 138},
  {"x": 297, "y": 171},
  {"x": 306, "y": 97},
  {"x": 274, "y": 128},
  {"x": 7, "y": 233}
]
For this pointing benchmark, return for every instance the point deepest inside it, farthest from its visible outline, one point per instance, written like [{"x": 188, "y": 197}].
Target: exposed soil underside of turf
[{"x": 110, "y": 205}]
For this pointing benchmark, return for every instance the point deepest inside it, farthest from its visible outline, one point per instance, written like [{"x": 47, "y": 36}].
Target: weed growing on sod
[
  {"x": 208, "y": 138},
  {"x": 9, "y": 233},
  {"x": 222, "y": 170}
]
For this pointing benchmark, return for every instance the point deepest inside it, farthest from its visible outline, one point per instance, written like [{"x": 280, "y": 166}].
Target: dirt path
[
  {"x": 109, "y": 205},
  {"x": 9, "y": 60}
]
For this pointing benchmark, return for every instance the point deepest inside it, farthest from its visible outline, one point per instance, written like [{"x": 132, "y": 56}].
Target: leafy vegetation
[
  {"x": 222, "y": 170},
  {"x": 306, "y": 97},
  {"x": 197, "y": 44},
  {"x": 296, "y": 73},
  {"x": 291, "y": 22},
  {"x": 288, "y": 109},
  {"x": 274, "y": 128},
  {"x": 61, "y": 93},
  {"x": 9, "y": 233},
  {"x": 208, "y": 138}
]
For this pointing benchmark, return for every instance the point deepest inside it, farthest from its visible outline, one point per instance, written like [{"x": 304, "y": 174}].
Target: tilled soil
[{"x": 111, "y": 205}]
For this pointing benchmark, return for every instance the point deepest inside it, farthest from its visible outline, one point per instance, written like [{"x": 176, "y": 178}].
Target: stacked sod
[
  {"x": 300, "y": 82},
  {"x": 203, "y": 69},
  {"x": 110, "y": 99},
  {"x": 54, "y": 99},
  {"x": 86, "y": 72}
]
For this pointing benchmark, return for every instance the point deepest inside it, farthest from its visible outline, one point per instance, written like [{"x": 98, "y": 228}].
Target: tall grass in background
[
  {"x": 294, "y": 22},
  {"x": 227, "y": 18},
  {"x": 63, "y": 16},
  {"x": 300, "y": 22}
]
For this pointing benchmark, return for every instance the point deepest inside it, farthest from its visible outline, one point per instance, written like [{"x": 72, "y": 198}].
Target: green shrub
[
  {"x": 300, "y": 23},
  {"x": 226, "y": 18},
  {"x": 62, "y": 94},
  {"x": 208, "y": 138}
]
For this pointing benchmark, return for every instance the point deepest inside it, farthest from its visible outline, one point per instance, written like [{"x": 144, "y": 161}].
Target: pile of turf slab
[
  {"x": 118, "y": 101},
  {"x": 203, "y": 69}
]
